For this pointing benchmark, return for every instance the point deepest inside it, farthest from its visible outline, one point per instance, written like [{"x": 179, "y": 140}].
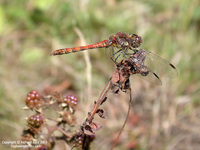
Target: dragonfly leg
[
  {"x": 118, "y": 55},
  {"x": 126, "y": 52},
  {"x": 117, "y": 52},
  {"x": 115, "y": 55}
]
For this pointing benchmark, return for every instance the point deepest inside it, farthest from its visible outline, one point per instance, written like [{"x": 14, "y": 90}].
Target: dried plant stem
[
  {"x": 129, "y": 107},
  {"x": 63, "y": 132},
  {"x": 100, "y": 100},
  {"x": 51, "y": 130}
]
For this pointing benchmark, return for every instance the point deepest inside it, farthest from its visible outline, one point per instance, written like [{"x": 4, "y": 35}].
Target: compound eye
[{"x": 137, "y": 40}]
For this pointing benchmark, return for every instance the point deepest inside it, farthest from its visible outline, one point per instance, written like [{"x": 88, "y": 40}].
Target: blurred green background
[{"x": 162, "y": 117}]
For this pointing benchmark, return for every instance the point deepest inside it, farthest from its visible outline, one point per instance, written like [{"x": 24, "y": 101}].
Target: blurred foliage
[{"x": 31, "y": 30}]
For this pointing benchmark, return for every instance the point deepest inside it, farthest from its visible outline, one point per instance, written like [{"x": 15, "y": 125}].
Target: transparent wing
[
  {"x": 156, "y": 65},
  {"x": 152, "y": 78},
  {"x": 160, "y": 66}
]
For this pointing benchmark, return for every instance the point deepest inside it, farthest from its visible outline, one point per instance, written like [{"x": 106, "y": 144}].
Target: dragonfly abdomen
[{"x": 101, "y": 44}]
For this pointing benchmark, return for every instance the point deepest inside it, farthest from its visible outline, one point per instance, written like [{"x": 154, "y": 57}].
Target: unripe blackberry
[
  {"x": 71, "y": 100},
  {"x": 80, "y": 138},
  {"x": 35, "y": 121},
  {"x": 33, "y": 99}
]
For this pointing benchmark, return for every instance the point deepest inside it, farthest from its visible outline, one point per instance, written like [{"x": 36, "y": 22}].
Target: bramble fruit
[
  {"x": 71, "y": 100},
  {"x": 79, "y": 138},
  {"x": 33, "y": 99},
  {"x": 35, "y": 121}
]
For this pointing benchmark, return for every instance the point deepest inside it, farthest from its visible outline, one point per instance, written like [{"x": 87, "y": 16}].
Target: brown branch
[
  {"x": 100, "y": 100},
  {"x": 51, "y": 130},
  {"x": 63, "y": 132}
]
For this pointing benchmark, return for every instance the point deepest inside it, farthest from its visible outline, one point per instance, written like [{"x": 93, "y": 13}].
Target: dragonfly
[{"x": 121, "y": 46}]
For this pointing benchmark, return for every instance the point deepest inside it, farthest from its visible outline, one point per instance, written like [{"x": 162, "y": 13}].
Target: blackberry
[
  {"x": 35, "y": 121},
  {"x": 71, "y": 100},
  {"x": 33, "y": 99},
  {"x": 82, "y": 140},
  {"x": 78, "y": 140}
]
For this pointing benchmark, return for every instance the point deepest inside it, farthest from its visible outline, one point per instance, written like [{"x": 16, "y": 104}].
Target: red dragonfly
[{"x": 120, "y": 46}]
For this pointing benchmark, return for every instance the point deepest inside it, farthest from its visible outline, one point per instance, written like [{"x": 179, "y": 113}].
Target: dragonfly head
[{"x": 136, "y": 41}]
